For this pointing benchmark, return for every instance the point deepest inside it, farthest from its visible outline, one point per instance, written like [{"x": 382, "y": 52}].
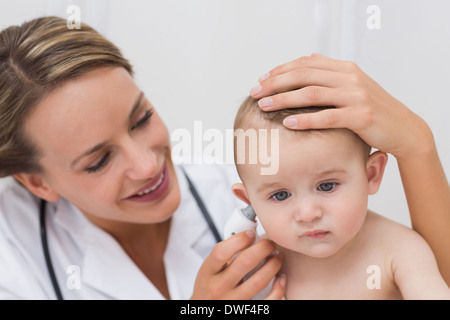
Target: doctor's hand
[
  {"x": 361, "y": 104},
  {"x": 220, "y": 276}
]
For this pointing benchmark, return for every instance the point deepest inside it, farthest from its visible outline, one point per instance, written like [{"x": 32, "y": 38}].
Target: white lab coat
[{"x": 105, "y": 270}]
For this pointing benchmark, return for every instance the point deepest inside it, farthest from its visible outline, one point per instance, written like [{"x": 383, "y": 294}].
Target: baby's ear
[
  {"x": 375, "y": 169},
  {"x": 240, "y": 191}
]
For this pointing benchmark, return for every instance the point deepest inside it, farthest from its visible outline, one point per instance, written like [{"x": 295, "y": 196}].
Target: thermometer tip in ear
[{"x": 249, "y": 213}]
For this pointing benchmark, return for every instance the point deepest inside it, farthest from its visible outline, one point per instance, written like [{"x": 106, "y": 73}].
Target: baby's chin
[
  {"x": 318, "y": 254},
  {"x": 318, "y": 251}
]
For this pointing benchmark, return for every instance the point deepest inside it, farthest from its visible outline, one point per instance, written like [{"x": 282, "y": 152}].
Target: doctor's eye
[
  {"x": 144, "y": 120},
  {"x": 281, "y": 195},
  {"x": 327, "y": 186},
  {"x": 100, "y": 164}
]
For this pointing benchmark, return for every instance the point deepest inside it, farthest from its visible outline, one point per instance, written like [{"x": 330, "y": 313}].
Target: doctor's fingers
[
  {"x": 278, "y": 289},
  {"x": 310, "y": 96},
  {"x": 262, "y": 278},
  {"x": 251, "y": 258},
  {"x": 315, "y": 61},
  {"x": 299, "y": 78},
  {"x": 224, "y": 251}
]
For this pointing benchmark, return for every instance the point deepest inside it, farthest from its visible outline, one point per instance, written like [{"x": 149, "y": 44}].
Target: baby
[{"x": 315, "y": 209}]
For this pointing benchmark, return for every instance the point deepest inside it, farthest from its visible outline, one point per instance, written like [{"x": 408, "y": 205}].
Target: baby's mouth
[{"x": 316, "y": 234}]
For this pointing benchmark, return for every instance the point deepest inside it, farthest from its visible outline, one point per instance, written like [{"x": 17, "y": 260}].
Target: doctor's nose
[
  {"x": 141, "y": 162},
  {"x": 307, "y": 211}
]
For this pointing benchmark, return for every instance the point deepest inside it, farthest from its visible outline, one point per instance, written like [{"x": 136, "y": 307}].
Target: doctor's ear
[
  {"x": 37, "y": 185},
  {"x": 240, "y": 191}
]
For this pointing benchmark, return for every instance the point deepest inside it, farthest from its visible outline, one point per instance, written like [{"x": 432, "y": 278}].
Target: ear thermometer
[{"x": 240, "y": 220}]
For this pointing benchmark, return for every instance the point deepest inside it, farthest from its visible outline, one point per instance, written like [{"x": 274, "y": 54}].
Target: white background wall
[{"x": 197, "y": 59}]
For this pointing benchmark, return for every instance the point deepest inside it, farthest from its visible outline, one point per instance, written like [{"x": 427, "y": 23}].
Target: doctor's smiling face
[{"x": 104, "y": 148}]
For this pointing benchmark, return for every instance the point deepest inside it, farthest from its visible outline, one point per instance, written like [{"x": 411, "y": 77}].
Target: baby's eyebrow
[
  {"x": 271, "y": 185},
  {"x": 279, "y": 184},
  {"x": 332, "y": 171}
]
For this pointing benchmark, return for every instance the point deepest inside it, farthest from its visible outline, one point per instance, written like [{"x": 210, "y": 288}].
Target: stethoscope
[{"x": 44, "y": 238}]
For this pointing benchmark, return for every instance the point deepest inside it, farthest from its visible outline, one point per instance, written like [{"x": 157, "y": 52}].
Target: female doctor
[{"x": 93, "y": 207}]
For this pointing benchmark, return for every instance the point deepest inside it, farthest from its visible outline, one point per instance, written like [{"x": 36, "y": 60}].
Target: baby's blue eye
[
  {"x": 281, "y": 196},
  {"x": 327, "y": 186}
]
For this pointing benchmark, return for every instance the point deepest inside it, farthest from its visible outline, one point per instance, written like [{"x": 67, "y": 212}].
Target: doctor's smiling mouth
[{"x": 153, "y": 190}]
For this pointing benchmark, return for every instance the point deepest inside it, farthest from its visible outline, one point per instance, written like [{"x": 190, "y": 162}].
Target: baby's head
[{"x": 317, "y": 200}]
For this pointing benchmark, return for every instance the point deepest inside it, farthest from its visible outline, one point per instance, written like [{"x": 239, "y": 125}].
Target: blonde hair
[
  {"x": 250, "y": 111},
  {"x": 35, "y": 58}
]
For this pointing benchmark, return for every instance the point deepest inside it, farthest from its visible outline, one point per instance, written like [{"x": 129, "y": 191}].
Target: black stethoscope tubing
[
  {"x": 44, "y": 238},
  {"x": 48, "y": 260}
]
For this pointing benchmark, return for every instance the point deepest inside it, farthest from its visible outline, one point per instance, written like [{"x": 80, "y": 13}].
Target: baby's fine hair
[
  {"x": 250, "y": 109},
  {"x": 249, "y": 112}
]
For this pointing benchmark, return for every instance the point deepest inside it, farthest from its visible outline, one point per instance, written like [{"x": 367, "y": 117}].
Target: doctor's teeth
[{"x": 152, "y": 188}]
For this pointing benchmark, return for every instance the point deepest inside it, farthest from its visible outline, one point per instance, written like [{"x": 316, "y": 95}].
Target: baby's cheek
[
  {"x": 276, "y": 229},
  {"x": 352, "y": 218}
]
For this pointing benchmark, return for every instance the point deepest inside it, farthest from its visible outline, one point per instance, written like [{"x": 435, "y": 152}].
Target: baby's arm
[{"x": 415, "y": 270}]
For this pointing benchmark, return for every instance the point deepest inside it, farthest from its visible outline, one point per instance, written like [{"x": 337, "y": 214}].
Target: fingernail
[
  {"x": 283, "y": 280},
  {"x": 256, "y": 90},
  {"x": 290, "y": 122},
  {"x": 264, "y": 77},
  {"x": 265, "y": 102},
  {"x": 250, "y": 234}
]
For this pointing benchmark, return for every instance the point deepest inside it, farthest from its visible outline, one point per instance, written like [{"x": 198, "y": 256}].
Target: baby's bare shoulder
[
  {"x": 379, "y": 223},
  {"x": 391, "y": 233}
]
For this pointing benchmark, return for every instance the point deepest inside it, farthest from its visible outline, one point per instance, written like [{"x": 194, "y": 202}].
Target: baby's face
[{"x": 317, "y": 202}]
